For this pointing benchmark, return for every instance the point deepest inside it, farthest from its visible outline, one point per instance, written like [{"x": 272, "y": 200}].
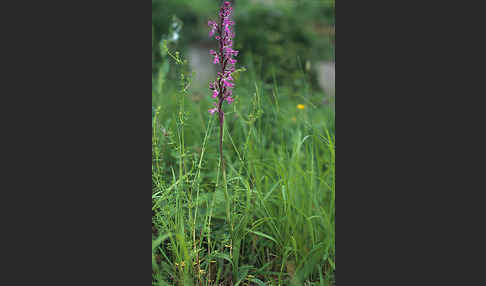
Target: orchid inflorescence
[{"x": 222, "y": 87}]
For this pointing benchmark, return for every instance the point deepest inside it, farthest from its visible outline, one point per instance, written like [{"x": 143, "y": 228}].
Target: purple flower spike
[{"x": 222, "y": 87}]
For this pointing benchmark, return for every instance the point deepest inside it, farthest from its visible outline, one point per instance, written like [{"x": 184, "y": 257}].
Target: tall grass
[{"x": 272, "y": 223}]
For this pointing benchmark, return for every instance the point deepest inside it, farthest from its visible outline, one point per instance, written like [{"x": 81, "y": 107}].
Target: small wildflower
[
  {"x": 213, "y": 110},
  {"x": 300, "y": 106},
  {"x": 227, "y": 83},
  {"x": 216, "y": 57},
  {"x": 213, "y": 27}
]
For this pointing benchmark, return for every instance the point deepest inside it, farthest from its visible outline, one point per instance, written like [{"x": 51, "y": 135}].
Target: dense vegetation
[{"x": 270, "y": 221}]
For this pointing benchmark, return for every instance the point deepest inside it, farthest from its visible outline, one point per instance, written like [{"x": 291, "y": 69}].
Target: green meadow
[{"x": 269, "y": 219}]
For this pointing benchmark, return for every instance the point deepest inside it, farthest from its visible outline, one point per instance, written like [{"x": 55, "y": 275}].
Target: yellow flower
[{"x": 300, "y": 106}]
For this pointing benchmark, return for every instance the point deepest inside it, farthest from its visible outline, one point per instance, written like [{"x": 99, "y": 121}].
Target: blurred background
[{"x": 287, "y": 41}]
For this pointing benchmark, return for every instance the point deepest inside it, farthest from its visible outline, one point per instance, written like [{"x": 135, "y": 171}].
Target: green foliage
[
  {"x": 276, "y": 39},
  {"x": 275, "y": 224},
  {"x": 281, "y": 39},
  {"x": 193, "y": 14}
]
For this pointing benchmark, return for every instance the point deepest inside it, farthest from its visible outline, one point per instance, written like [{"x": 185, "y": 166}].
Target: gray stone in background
[
  {"x": 326, "y": 77},
  {"x": 200, "y": 62}
]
